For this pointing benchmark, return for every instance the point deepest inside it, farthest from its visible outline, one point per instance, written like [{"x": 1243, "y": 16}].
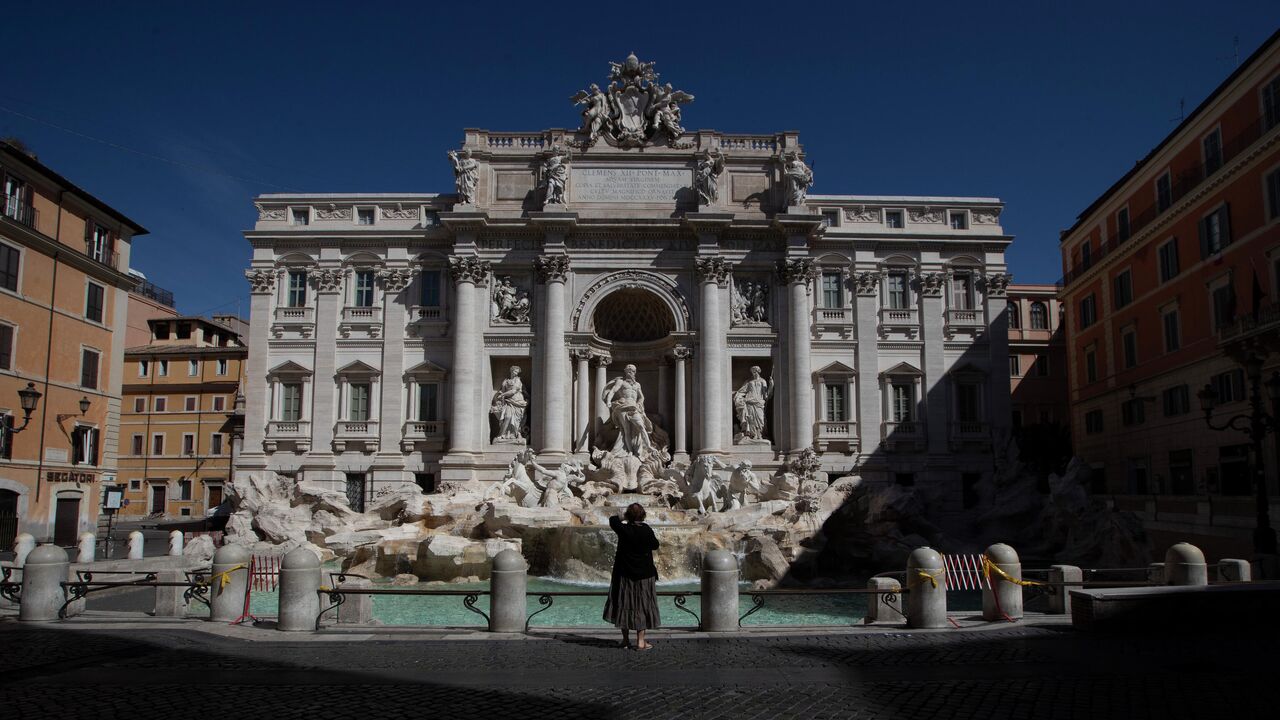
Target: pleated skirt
[{"x": 632, "y": 604}]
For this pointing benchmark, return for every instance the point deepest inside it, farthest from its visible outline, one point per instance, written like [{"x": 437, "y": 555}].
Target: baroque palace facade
[{"x": 432, "y": 337}]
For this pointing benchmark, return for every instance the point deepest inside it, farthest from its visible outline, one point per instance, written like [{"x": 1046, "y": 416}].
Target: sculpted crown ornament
[
  {"x": 712, "y": 269},
  {"x": 998, "y": 284},
  {"x": 468, "y": 269},
  {"x": 865, "y": 283},
  {"x": 326, "y": 281},
  {"x": 552, "y": 268},
  {"x": 932, "y": 283},
  {"x": 634, "y": 110},
  {"x": 261, "y": 281},
  {"x": 396, "y": 279},
  {"x": 797, "y": 270}
]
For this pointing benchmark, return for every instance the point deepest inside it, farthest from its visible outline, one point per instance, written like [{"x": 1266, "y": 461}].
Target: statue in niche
[
  {"x": 625, "y": 400},
  {"x": 706, "y": 178},
  {"x": 466, "y": 176},
  {"x": 750, "y": 302},
  {"x": 509, "y": 304},
  {"x": 508, "y": 406},
  {"x": 555, "y": 176},
  {"x": 799, "y": 179},
  {"x": 557, "y": 486},
  {"x": 749, "y": 402}
]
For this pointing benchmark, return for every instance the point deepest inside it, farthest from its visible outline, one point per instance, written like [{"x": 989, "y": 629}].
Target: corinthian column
[
  {"x": 553, "y": 270},
  {"x": 713, "y": 274},
  {"x": 582, "y": 411},
  {"x": 797, "y": 274},
  {"x": 468, "y": 273},
  {"x": 680, "y": 426},
  {"x": 392, "y": 411}
]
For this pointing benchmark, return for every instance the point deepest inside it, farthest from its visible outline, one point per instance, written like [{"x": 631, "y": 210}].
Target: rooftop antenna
[
  {"x": 1182, "y": 110},
  {"x": 1235, "y": 52}
]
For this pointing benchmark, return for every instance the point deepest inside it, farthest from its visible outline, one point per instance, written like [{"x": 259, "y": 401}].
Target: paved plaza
[{"x": 130, "y": 670}]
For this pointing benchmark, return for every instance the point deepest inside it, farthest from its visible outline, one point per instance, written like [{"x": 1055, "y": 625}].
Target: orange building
[
  {"x": 179, "y": 424},
  {"x": 1165, "y": 273},
  {"x": 147, "y": 301},
  {"x": 64, "y": 284},
  {"x": 1037, "y": 357}
]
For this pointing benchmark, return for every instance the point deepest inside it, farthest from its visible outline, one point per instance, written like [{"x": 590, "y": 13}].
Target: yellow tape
[
  {"x": 224, "y": 577},
  {"x": 922, "y": 575},
  {"x": 988, "y": 567}
]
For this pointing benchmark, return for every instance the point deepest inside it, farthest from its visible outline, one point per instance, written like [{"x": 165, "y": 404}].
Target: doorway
[
  {"x": 66, "y": 521},
  {"x": 8, "y": 518},
  {"x": 215, "y": 495},
  {"x": 158, "y": 492}
]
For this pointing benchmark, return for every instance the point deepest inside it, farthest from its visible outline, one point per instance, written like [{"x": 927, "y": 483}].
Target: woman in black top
[{"x": 633, "y": 597}]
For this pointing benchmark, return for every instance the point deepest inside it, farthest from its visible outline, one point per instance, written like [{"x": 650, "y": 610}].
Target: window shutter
[
  {"x": 77, "y": 445},
  {"x": 1203, "y": 229},
  {"x": 93, "y": 446},
  {"x": 1225, "y": 214}
]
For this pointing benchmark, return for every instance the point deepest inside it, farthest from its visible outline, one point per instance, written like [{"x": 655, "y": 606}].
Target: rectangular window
[
  {"x": 291, "y": 402},
  {"x": 364, "y": 288},
  {"x": 6, "y": 437},
  {"x": 364, "y": 216},
  {"x": 1088, "y": 311},
  {"x": 1086, "y": 255},
  {"x": 830, "y": 218},
  {"x": 1091, "y": 365},
  {"x": 1223, "y": 305},
  {"x": 162, "y": 368},
  {"x": 1093, "y": 422},
  {"x": 1229, "y": 385},
  {"x": 93, "y": 302},
  {"x": 959, "y": 220},
  {"x": 1273, "y": 198},
  {"x": 84, "y": 446},
  {"x": 1137, "y": 479},
  {"x": 193, "y": 368},
  {"x": 301, "y": 216},
  {"x": 184, "y": 331},
  {"x": 835, "y": 402},
  {"x": 1042, "y": 365},
  {"x": 897, "y": 287},
  {"x": 356, "y": 491},
  {"x": 297, "y": 295},
  {"x": 99, "y": 243},
  {"x": 1181, "y": 478},
  {"x": 967, "y": 402},
  {"x": 157, "y": 444},
  {"x": 184, "y": 489},
  {"x": 135, "y": 485},
  {"x": 188, "y": 444},
  {"x": 189, "y": 404},
  {"x": 430, "y": 280},
  {"x": 1122, "y": 224},
  {"x": 139, "y": 405},
  {"x": 1212, "y": 145},
  {"x": 222, "y": 366},
  {"x": 893, "y": 218},
  {"x": 428, "y": 402},
  {"x": 903, "y": 402},
  {"x": 1129, "y": 339},
  {"x": 1271, "y": 104},
  {"x": 1124, "y": 289},
  {"x": 359, "y": 398},
  {"x": 1164, "y": 192},
  {"x": 1169, "y": 260},
  {"x": 832, "y": 297},
  {"x": 962, "y": 291},
  {"x": 138, "y": 445},
  {"x": 1176, "y": 400},
  {"x": 144, "y": 368},
  {"x": 162, "y": 331},
  {"x": 1215, "y": 231},
  {"x": 1015, "y": 316},
  {"x": 1015, "y": 366},
  {"x": 215, "y": 444},
  {"x": 1131, "y": 412},
  {"x": 1172, "y": 331},
  {"x": 426, "y": 481},
  {"x": 89, "y": 368},
  {"x": 219, "y": 403},
  {"x": 9, "y": 257},
  {"x": 161, "y": 404},
  {"x": 6, "y": 347},
  {"x": 1039, "y": 316}
]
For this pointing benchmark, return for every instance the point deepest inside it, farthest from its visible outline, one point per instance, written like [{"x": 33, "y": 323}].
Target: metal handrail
[
  {"x": 337, "y": 595},
  {"x": 758, "y": 596},
  {"x": 547, "y": 599},
  {"x": 10, "y": 590}
]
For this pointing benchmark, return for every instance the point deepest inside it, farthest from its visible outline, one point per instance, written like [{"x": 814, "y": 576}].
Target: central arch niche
[{"x": 632, "y": 315}]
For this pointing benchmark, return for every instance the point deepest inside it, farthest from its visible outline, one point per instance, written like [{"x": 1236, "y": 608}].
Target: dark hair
[{"x": 634, "y": 513}]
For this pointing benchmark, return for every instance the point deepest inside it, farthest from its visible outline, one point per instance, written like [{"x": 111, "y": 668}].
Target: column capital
[
  {"x": 600, "y": 359},
  {"x": 712, "y": 269},
  {"x": 468, "y": 270},
  {"x": 326, "y": 280},
  {"x": 797, "y": 270},
  {"x": 931, "y": 284},
  {"x": 682, "y": 352},
  {"x": 396, "y": 279},
  {"x": 261, "y": 280},
  {"x": 581, "y": 353},
  {"x": 997, "y": 284},
  {"x": 552, "y": 268},
  {"x": 866, "y": 283}
]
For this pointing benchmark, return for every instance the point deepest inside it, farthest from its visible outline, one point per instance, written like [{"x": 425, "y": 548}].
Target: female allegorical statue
[
  {"x": 509, "y": 406},
  {"x": 749, "y": 401}
]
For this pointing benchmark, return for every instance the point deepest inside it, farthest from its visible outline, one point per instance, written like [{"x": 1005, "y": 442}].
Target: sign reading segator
[{"x": 633, "y": 185}]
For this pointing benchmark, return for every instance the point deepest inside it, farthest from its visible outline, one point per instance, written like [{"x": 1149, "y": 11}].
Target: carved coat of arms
[{"x": 634, "y": 111}]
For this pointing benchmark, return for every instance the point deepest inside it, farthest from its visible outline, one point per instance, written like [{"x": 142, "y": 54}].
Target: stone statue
[
  {"x": 749, "y": 402},
  {"x": 799, "y": 179},
  {"x": 706, "y": 178},
  {"x": 466, "y": 176},
  {"x": 509, "y": 304},
  {"x": 595, "y": 114},
  {"x": 741, "y": 482},
  {"x": 508, "y": 407},
  {"x": 702, "y": 485},
  {"x": 750, "y": 303},
  {"x": 555, "y": 176},
  {"x": 517, "y": 484},
  {"x": 558, "y": 484},
  {"x": 633, "y": 110},
  {"x": 625, "y": 400}
]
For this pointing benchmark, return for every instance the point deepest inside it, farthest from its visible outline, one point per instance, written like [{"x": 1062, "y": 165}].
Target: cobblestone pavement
[{"x": 1020, "y": 672}]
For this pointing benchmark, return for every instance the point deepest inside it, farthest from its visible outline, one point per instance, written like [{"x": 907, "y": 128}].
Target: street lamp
[
  {"x": 28, "y": 398},
  {"x": 1257, "y": 424}
]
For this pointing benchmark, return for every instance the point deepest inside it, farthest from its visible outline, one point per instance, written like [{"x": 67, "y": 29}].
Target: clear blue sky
[{"x": 1041, "y": 104}]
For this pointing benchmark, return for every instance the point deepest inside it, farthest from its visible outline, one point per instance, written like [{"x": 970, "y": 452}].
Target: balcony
[
  {"x": 427, "y": 321},
  {"x": 295, "y": 432},
  {"x": 361, "y": 319},
  {"x": 104, "y": 255},
  {"x": 839, "y": 319},
  {"x": 300, "y": 320},
  {"x": 358, "y": 435},
  {"x": 904, "y": 320},
  {"x": 970, "y": 432},
  {"x": 906, "y": 435},
  {"x": 969, "y": 322},
  {"x": 20, "y": 212},
  {"x": 1265, "y": 324},
  {"x": 428, "y": 433},
  {"x": 837, "y": 432}
]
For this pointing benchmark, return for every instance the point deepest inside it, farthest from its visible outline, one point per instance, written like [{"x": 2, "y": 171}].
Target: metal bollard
[
  {"x": 1003, "y": 599},
  {"x": 175, "y": 543},
  {"x": 299, "y": 591},
  {"x": 926, "y": 589},
  {"x": 1234, "y": 570},
  {"x": 881, "y": 610},
  {"x": 228, "y": 583},
  {"x": 47, "y": 567},
  {"x": 169, "y": 600},
  {"x": 88, "y": 548},
  {"x": 22, "y": 547},
  {"x": 135, "y": 545},
  {"x": 719, "y": 597},
  {"x": 1060, "y": 596},
  {"x": 1184, "y": 565},
  {"x": 508, "y": 580},
  {"x": 356, "y": 609}
]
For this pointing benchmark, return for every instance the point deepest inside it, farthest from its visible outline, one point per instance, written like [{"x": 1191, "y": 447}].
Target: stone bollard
[
  {"x": 1155, "y": 573},
  {"x": 356, "y": 609},
  {"x": 1233, "y": 570},
  {"x": 1060, "y": 597},
  {"x": 175, "y": 543},
  {"x": 228, "y": 583},
  {"x": 47, "y": 567},
  {"x": 22, "y": 547},
  {"x": 507, "y": 583},
  {"x": 1184, "y": 565},
  {"x": 1003, "y": 599},
  {"x": 719, "y": 597},
  {"x": 135, "y": 545},
  {"x": 169, "y": 600},
  {"x": 926, "y": 589},
  {"x": 299, "y": 591},
  {"x": 880, "y": 610},
  {"x": 88, "y": 548}
]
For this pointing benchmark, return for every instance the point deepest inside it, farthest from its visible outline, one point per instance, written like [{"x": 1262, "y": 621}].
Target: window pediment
[
  {"x": 426, "y": 370},
  {"x": 358, "y": 368},
  {"x": 835, "y": 370},
  {"x": 902, "y": 370},
  {"x": 289, "y": 369}
]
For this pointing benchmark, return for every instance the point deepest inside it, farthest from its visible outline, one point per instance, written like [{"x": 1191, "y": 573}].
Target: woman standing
[{"x": 633, "y": 597}]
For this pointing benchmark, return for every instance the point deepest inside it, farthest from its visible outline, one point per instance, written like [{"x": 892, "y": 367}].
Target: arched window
[
  {"x": 1039, "y": 316},
  {"x": 1015, "y": 316}
]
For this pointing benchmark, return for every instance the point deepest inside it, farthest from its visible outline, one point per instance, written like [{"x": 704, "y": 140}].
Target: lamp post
[
  {"x": 28, "y": 399},
  {"x": 1257, "y": 424}
]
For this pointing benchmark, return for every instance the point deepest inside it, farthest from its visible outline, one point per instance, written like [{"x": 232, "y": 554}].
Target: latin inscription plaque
[{"x": 631, "y": 185}]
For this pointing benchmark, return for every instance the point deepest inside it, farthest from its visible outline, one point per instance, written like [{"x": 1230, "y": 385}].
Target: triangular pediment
[
  {"x": 426, "y": 368},
  {"x": 968, "y": 370},
  {"x": 289, "y": 367},
  {"x": 359, "y": 367},
  {"x": 836, "y": 368},
  {"x": 903, "y": 369}
]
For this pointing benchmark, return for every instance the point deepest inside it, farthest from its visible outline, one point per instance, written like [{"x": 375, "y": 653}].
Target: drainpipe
[{"x": 48, "y": 353}]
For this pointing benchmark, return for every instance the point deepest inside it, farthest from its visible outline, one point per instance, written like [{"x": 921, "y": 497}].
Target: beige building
[
  {"x": 147, "y": 301},
  {"x": 179, "y": 420}
]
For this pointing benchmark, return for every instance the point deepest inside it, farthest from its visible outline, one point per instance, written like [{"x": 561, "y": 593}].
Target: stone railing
[
  {"x": 749, "y": 143},
  {"x": 899, "y": 317},
  {"x": 428, "y": 313},
  {"x": 969, "y": 428},
  {"x": 896, "y": 433},
  {"x": 965, "y": 318},
  {"x": 288, "y": 429},
  {"x": 432, "y": 433},
  {"x": 296, "y": 315},
  {"x": 359, "y": 428},
  {"x": 362, "y": 315},
  {"x": 518, "y": 142},
  {"x": 1267, "y": 320},
  {"x": 833, "y": 316},
  {"x": 836, "y": 431}
]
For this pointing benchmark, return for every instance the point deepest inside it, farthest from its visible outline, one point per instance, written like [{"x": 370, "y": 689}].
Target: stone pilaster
[
  {"x": 262, "y": 284},
  {"x": 932, "y": 322},
  {"x": 469, "y": 275},
  {"x": 393, "y": 412},
  {"x": 582, "y": 398},
  {"x": 998, "y": 408},
  {"x": 797, "y": 274},
  {"x": 553, "y": 271},
  {"x": 713, "y": 275},
  {"x": 327, "y": 283},
  {"x": 680, "y": 422},
  {"x": 867, "y": 308}
]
